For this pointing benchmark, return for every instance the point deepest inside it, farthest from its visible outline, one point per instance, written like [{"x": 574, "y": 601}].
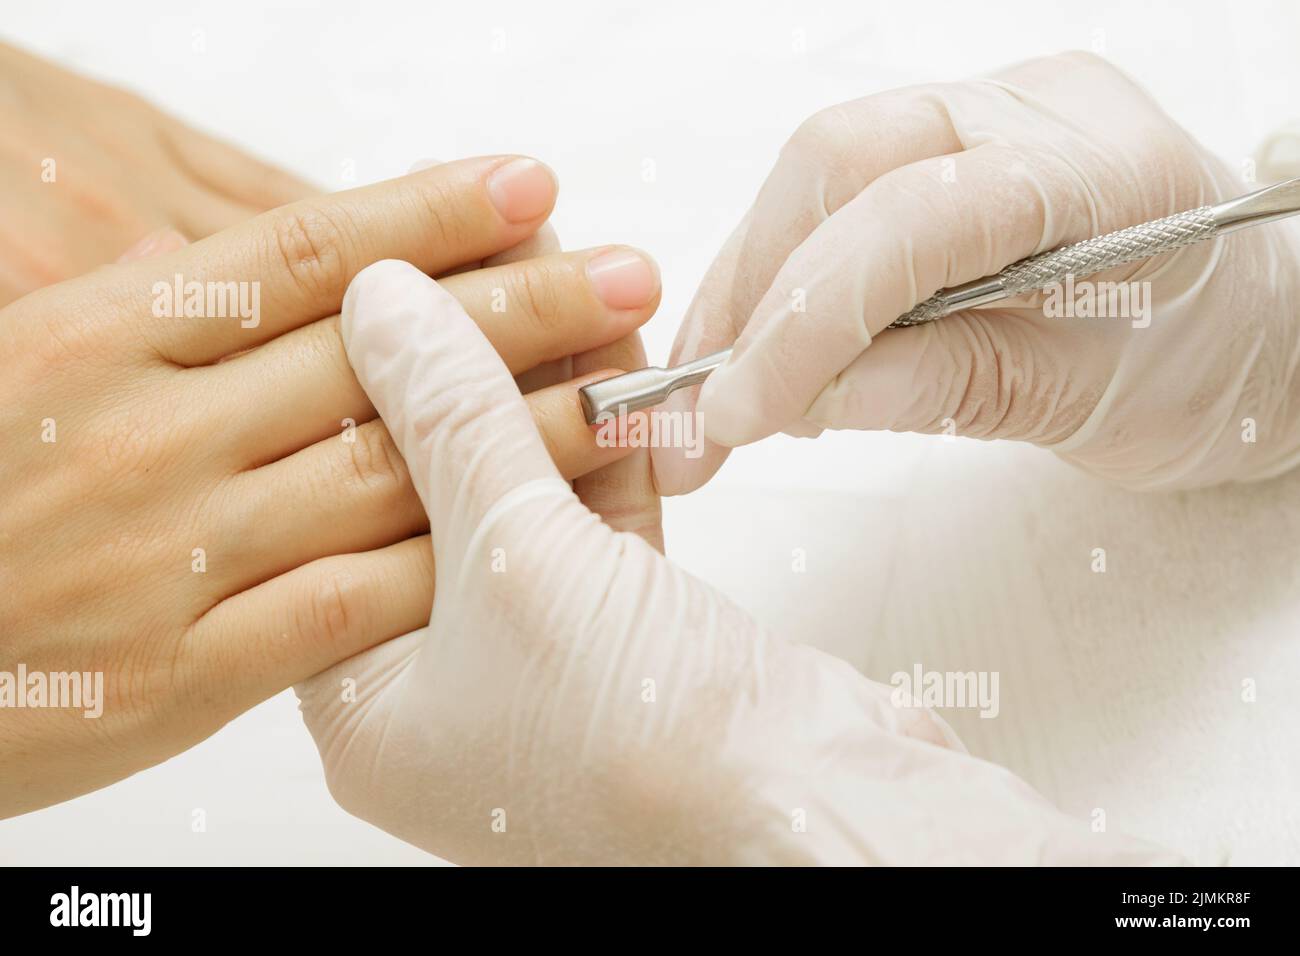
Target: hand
[
  {"x": 205, "y": 509},
  {"x": 876, "y": 204},
  {"x": 88, "y": 170},
  {"x": 576, "y": 698}
]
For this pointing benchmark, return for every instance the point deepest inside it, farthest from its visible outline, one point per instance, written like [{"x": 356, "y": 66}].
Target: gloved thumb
[
  {"x": 447, "y": 398},
  {"x": 908, "y": 234}
]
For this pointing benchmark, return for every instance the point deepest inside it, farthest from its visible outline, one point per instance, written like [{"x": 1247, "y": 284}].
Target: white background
[{"x": 1119, "y": 691}]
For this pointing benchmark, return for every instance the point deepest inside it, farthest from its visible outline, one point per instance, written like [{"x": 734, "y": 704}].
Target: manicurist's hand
[
  {"x": 87, "y": 171},
  {"x": 1191, "y": 378},
  {"x": 199, "y": 502},
  {"x": 577, "y": 698}
]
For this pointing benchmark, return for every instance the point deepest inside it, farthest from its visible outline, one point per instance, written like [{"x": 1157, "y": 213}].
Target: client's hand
[
  {"x": 576, "y": 698},
  {"x": 199, "y": 503},
  {"x": 87, "y": 170}
]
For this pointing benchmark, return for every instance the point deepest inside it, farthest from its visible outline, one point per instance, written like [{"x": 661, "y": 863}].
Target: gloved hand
[
  {"x": 876, "y": 204},
  {"x": 576, "y": 698}
]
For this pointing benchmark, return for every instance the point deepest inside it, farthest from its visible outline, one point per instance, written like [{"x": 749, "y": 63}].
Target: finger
[
  {"x": 448, "y": 399},
  {"x": 532, "y": 312},
  {"x": 232, "y": 173},
  {"x": 544, "y": 309},
  {"x": 544, "y": 242},
  {"x": 706, "y": 329},
  {"x": 572, "y": 444},
  {"x": 284, "y": 630},
  {"x": 831, "y": 158},
  {"x": 985, "y": 373},
  {"x": 352, "y": 491},
  {"x": 929, "y": 225},
  {"x": 296, "y": 261},
  {"x": 545, "y": 374},
  {"x": 157, "y": 243},
  {"x": 623, "y": 493}
]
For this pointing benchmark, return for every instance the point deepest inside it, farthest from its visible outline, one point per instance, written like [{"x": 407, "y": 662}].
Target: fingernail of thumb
[{"x": 725, "y": 415}]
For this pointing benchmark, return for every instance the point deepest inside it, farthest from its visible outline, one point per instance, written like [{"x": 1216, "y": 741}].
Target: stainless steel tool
[{"x": 647, "y": 387}]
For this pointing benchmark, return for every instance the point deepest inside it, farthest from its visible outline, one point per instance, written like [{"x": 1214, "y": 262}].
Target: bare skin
[{"x": 88, "y": 169}]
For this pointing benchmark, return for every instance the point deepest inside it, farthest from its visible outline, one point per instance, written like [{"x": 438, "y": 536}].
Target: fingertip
[
  {"x": 523, "y": 190},
  {"x": 678, "y": 468},
  {"x": 726, "y": 416},
  {"x": 624, "y": 278}
]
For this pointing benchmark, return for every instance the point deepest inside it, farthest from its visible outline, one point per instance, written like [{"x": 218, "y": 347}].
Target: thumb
[
  {"x": 447, "y": 398},
  {"x": 915, "y": 230}
]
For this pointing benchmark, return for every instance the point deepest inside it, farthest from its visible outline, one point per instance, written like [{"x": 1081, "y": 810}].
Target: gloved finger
[
  {"x": 831, "y": 158},
  {"x": 623, "y": 493},
  {"x": 984, "y": 373},
  {"x": 446, "y": 396},
  {"x": 156, "y": 243},
  {"x": 920, "y": 228},
  {"x": 232, "y": 173},
  {"x": 706, "y": 329}
]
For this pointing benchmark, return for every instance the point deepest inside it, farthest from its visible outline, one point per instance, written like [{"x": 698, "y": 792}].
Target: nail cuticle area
[
  {"x": 522, "y": 190},
  {"x": 623, "y": 278}
]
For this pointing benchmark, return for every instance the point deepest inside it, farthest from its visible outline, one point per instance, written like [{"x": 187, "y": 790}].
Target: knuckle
[
  {"x": 984, "y": 381},
  {"x": 310, "y": 246},
  {"x": 535, "y": 289},
  {"x": 373, "y": 461},
  {"x": 128, "y": 445},
  {"x": 331, "y": 608},
  {"x": 437, "y": 209},
  {"x": 826, "y": 138}
]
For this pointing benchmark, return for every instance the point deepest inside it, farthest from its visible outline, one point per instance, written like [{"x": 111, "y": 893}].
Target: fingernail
[
  {"x": 522, "y": 190},
  {"x": 623, "y": 279},
  {"x": 726, "y": 417}
]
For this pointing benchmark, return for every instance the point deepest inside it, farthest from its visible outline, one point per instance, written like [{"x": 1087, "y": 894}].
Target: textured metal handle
[{"x": 1079, "y": 260}]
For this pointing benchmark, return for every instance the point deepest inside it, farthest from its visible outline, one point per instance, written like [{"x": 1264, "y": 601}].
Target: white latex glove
[
  {"x": 876, "y": 204},
  {"x": 576, "y": 698}
]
